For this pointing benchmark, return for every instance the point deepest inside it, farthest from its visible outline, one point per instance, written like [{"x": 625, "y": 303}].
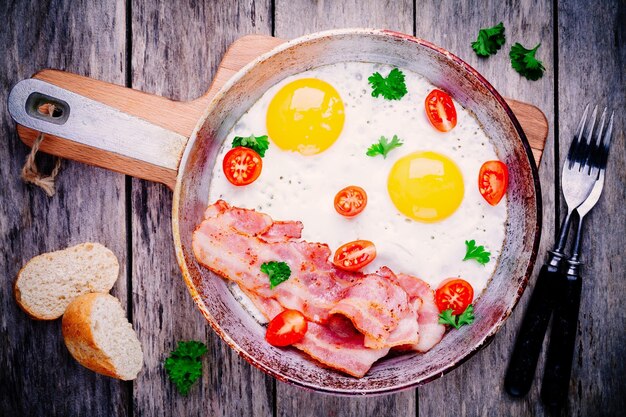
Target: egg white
[{"x": 297, "y": 187}]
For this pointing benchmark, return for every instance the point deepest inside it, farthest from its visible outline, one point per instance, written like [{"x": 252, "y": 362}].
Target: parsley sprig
[
  {"x": 183, "y": 366},
  {"x": 523, "y": 61},
  {"x": 259, "y": 144},
  {"x": 278, "y": 272},
  {"x": 383, "y": 146},
  {"x": 476, "y": 252},
  {"x": 391, "y": 87},
  {"x": 489, "y": 40},
  {"x": 466, "y": 317}
]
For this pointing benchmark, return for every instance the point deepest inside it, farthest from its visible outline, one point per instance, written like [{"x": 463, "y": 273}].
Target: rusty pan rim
[{"x": 522, "y": 283}]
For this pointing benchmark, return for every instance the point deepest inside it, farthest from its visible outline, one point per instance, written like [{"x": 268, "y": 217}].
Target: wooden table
[{"x": 172, "y": 48}]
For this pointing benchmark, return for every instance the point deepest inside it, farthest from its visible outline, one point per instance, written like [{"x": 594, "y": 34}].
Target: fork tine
[
  {"x": 586, "y": 147},
  {"x": 606, "y": 142},
  {"x": 573, "y": 149},
  {"x": 592, "y": 165}
]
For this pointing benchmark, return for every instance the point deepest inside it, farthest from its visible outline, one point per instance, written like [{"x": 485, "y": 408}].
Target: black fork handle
[
  {"x": 558, "y": 368},
  {"x": 521, "y": 371}
]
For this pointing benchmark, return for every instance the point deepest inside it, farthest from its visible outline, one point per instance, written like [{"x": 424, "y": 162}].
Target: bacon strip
[
  {"x": 406, "y": 334},
  {"x": 375, "y": 305},
  {"x": 269, "y": 307},
  {"x": 218, "y": 207},
  {"x": 281, "y": 231},
  {"x": 341, "y": 350},
  {"x": 430, "y": 331}
]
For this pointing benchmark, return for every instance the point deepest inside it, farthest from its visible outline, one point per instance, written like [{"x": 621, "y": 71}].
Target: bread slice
[
  {"x": 49, "y": 282},
  {"x": 99, "y": 336}
]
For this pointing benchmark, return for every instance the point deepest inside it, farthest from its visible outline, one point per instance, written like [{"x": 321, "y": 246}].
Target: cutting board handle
[{"x": 87, "y": 129}]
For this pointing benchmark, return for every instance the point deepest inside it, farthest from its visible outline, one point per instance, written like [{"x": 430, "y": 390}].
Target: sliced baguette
[
  {"x": 99, "y": 337},
  {"x": 49, "y": 282}
]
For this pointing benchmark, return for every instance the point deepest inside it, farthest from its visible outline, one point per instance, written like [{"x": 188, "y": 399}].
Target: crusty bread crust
[
  {"x": 102, "y": 281},
  {"x": 79, "y": 338},
  {"x": 22, "y": 305}
]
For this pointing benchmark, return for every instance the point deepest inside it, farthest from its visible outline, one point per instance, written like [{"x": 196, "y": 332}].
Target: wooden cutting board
[{"x": 181, "y": 116}]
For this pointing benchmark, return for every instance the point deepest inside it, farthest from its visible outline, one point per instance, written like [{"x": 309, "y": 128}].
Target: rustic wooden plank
[
  {"x": 37, "y": 374},
  {"x": 297, "y": 17},
  {"x": 476, "y": 387},
  {"x": 592, "y": 59},
  {"x": 294, "y": 18},
  {"x": 176, "y": 47}
]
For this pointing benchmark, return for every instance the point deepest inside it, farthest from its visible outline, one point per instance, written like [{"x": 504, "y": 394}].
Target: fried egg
[
  {"x": 306, "y": 116},
  {"x": 423, "y": 199},
  {"x": 426, "y": 186}
]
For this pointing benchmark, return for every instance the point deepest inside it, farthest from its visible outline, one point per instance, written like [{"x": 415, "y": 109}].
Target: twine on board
[{"x": 30, "y": 172}]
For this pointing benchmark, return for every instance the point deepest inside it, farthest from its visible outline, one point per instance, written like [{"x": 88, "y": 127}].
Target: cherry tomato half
[
  {"x": 350, "y": 201},
  {"x": 242, "y": 166},
  {"x": 454, "y": 293},
  {"x": 287, "y": 328},
  {"x": 493, "y": 179},
  {"x": 354, "y": 255},
  {"x": 440, "y": 110}
]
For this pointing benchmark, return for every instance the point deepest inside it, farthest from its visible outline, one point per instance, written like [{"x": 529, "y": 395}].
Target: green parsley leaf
[
  {"x": 383, "y": 146},
  {"x": 523, "y": 61},
  {"x": 489, "y": 40},
  {"x": 183, "y": 366},
  {"x": 446, "y": 317},
  {"x": 278, "y": 272},
  {"x": 466, "y": 317},
  {"x": 391, "y": 88},
  {"x": 476, "y": 252},
  {"x": 259, "y": 144}
]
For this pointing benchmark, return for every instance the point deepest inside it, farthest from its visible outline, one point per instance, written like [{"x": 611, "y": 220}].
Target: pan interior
[{"x": 228, "y": 317}]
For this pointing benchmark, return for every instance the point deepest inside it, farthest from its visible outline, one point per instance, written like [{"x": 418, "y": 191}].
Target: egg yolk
[
  {"x": 425, "y": 186},
  {"x": 306, "y": 116}
]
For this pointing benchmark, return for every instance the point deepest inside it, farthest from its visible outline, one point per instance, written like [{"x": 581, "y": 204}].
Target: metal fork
[
  {"x": 577, "y": 181},
  {"x": 558, "y": 366},
  {"x": 577, "y": 178}
]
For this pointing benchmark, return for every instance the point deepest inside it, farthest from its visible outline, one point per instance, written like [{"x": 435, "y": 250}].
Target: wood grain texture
[
  {"x": 176, "y": 47},
  {"x": 476, "y": 388},
  {"x": 75, "y": 151},
  {"x": 37, "y": 374},
  {"x": 598, "y": 75},
  {"x": 295, "y": 18},
  {"x": 535, "y": 126}
]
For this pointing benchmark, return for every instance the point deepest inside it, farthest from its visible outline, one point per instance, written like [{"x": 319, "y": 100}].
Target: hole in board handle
[{"x": 37, "y": 102}]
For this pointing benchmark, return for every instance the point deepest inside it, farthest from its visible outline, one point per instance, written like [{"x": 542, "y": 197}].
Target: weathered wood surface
[
  {"x": 38, "y": 377},
  {"x": 598, "y": 75},
  {"x": 174, "y": 48}
]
